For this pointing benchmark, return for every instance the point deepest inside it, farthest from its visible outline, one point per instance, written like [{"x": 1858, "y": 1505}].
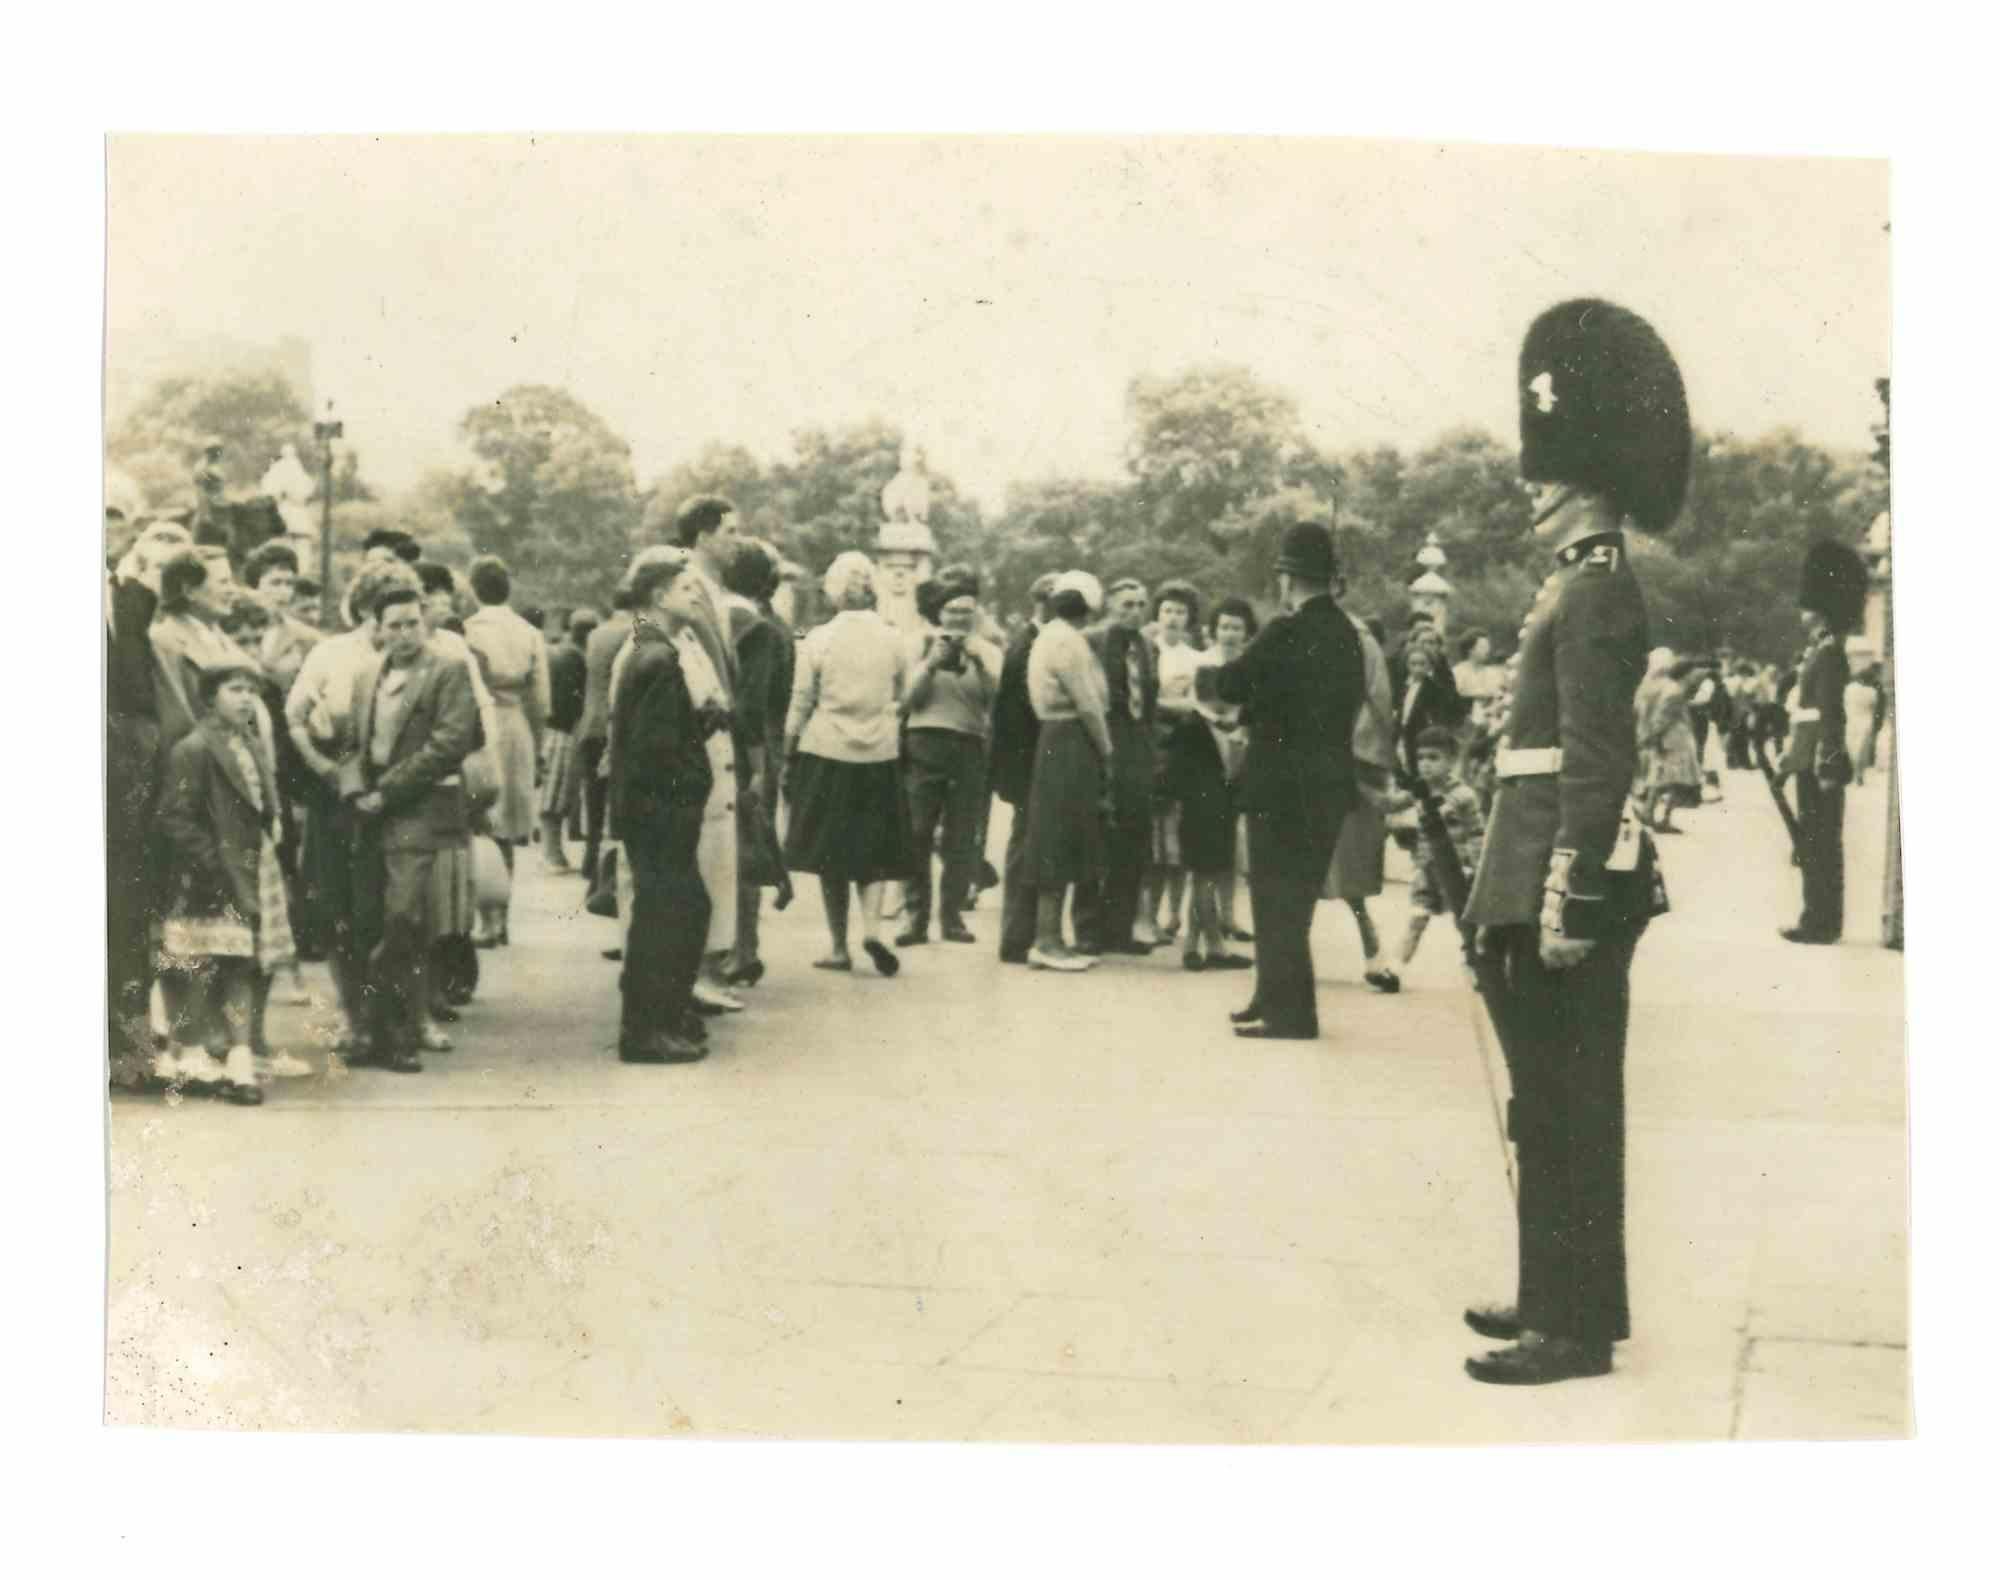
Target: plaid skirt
[
  {"x": 185, "y": 941},
  {"x": 562, "y": 774}
]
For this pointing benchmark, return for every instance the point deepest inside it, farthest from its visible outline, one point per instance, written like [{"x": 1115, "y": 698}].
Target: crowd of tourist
[{"x": 282, "y": 793}]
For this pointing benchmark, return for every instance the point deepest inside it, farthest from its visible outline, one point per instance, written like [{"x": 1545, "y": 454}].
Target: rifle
[
  {"x": 1762, "y": 748},
  {"x": 1457, "y": 891}
]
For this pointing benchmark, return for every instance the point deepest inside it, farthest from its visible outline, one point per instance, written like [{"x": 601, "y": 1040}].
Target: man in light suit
[
  {"x": 1106, "y": 915},
  {"x": 707, "y": 527},
  {"x": 415, "y": 722}
]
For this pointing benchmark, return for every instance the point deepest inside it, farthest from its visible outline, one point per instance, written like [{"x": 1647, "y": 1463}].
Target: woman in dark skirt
[
  {"x": 1065, "y": 812},
  {"x": 847, "y": 820}
]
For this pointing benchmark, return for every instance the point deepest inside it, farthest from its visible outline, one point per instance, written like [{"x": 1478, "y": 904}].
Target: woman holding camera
[{"x": 945, "y": 724}]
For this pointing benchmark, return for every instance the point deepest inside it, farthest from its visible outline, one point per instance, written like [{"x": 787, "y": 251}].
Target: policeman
[
  {"x": 1566, "y": 883},
  {"x": 1300, "y": 683},
  {"x": 1832, "y": 589}
]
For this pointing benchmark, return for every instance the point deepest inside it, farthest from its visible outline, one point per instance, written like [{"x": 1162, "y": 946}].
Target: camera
[{"x": 954, "y": 653}]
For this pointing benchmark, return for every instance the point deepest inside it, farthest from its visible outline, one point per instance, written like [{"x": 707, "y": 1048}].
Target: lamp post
[{"x": 325, "y": 432}]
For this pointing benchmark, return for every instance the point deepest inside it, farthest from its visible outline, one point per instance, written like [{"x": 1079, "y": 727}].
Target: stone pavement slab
[{"x": 975, "y": 1202}]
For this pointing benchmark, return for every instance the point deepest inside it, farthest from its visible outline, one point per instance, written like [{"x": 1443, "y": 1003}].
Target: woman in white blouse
[
  {"x": 846, "y": 817},
  {"x": 1067, "y": 798}
]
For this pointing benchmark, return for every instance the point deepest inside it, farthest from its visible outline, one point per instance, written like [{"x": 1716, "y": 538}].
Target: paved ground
[{"x": 975, "y": 1203}]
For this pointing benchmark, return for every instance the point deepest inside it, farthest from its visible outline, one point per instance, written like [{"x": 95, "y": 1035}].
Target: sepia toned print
[{"x": 1031, "y": 789}]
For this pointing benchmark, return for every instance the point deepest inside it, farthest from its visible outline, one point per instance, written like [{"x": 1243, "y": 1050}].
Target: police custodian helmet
[
  {"x": 1833, "y": 584},
  {"x": 1603, "y": 409}
]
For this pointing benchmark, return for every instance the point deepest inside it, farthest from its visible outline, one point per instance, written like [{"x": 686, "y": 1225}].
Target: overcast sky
[{"x": 992, "y": 297}]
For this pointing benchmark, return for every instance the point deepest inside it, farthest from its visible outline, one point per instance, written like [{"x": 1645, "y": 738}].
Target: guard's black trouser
[
  {"x": 1823, "y": 858},
  {"x": 1563, "y": 1034}
]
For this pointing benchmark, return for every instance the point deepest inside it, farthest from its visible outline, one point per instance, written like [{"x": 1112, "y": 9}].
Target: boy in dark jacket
[{"x": 660, "y": 781}]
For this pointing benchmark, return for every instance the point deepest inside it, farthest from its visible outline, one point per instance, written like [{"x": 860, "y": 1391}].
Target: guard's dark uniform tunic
[
  {"x": 1816, "y": 752},
  {"x": 1566, "y": 764}
]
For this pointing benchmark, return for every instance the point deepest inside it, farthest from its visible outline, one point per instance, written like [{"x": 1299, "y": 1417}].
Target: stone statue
[
  {"x": 908, "y": 494},
  {"x": 904, "y": 547},
  {"x": 288, "y": 484}
]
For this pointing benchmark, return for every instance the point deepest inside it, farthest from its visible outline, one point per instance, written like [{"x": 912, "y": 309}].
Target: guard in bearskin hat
[
  {"x": 1833, "y": 587},
  {"x": 1567, "y": 882},
  {"x": 1301, "y": 682}
]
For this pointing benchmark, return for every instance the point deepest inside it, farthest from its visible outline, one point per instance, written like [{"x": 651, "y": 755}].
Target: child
[
  {"x": 227, "y": 925},
  {"x": 1465, "y": 823}
]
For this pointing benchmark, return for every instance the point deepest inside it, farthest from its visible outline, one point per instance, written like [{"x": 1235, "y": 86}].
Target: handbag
[{"x": 481, "y": 772}]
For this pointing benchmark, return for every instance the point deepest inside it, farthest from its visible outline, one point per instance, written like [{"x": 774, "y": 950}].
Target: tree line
[{"x": 1217, "y": 464}]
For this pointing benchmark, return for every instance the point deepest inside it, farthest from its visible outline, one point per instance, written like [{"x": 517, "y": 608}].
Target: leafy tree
[
  {"x": 553, "y": 493},
  {"x": 725, "y": 469},
  {"x": 255, "y": 415}
]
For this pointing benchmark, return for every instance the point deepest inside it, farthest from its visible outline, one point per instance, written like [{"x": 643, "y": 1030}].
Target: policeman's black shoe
[
  {"x": 1800, "y": 935},
  {"x": 1230, "y": 962},
  {"x": 957, "y": 933},
  {"x": 1246, "y": 1015},
  {"x": 1131, "y": 946},
  {"x": 1539, "y": 1359},
  {"x": 884, "y": 958},
  {"x": 1268, "y": 1033},
  {"x": 660, "y": 1048},
  {"x": 1383, "y": 981},
  {"x": 1013, "y": 957},
  {"x": 1193, "y": 962},
  {"x": 1494, "y": 1322},
  {"x": 912, "y": 936}
]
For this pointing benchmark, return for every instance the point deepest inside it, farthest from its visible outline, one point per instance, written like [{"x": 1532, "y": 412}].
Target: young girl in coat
[{"x": 227, "y": 926}]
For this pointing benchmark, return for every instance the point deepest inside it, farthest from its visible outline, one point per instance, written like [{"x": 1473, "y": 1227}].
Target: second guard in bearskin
[
  {"x": 1832, "y": 590},
  {"x": 1567, "y": 880}
]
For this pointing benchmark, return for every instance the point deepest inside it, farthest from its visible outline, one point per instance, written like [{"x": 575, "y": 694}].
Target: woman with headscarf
[
  {"x": 1669, "y": 770},
  {"x": 847, "y": 821},
  {"x": 1068, "y": 796}
]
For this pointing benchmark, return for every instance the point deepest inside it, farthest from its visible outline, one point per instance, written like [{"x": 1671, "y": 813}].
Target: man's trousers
[
  {"x": 392, "y": 936},
  {"x": 1287, "y": 870},
  {"x": 1018, "y": 894},
  {"x": 131, "y": 785},
  {"x": 596, "y": 795},
  {"x": 944, "y": 779},
  {"x": 667, "y": 928},
  {"x": 1563, "y": 1034}
]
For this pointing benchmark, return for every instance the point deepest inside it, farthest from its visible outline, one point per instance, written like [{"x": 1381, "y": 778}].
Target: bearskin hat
[
  {"x": 1603, "y": 408},
  {"x": 1833, "y": 584}
]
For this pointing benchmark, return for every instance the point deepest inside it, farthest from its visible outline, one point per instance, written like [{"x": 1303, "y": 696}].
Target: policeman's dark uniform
[
  {"x": 1603, "y": 412},
  {"x": 1833, "y": 586},
  {"x": 1299, "y": 683}
]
